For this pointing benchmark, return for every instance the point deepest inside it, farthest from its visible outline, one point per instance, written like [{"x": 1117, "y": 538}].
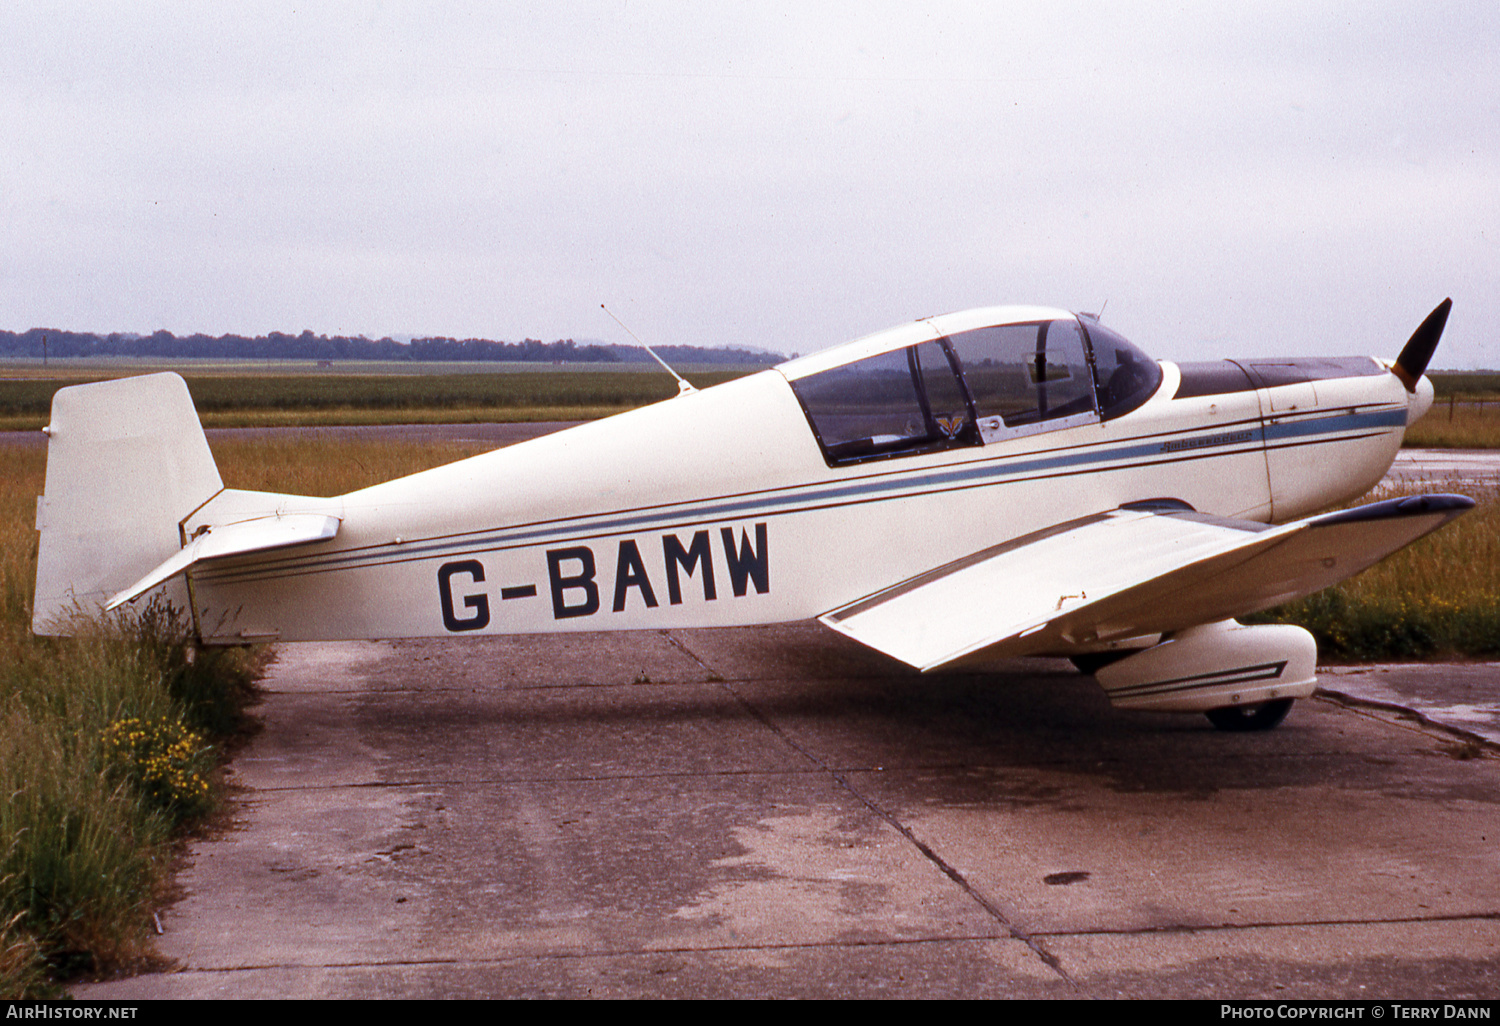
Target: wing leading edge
[{"x": 1146, "y": 568}]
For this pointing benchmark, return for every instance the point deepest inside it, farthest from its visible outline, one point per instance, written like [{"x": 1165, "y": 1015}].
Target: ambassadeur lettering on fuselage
[{"x": 578, "y": 587}]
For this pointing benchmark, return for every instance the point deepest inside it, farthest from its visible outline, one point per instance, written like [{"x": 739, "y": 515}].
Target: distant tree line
[{"x": 39, "y": 342}]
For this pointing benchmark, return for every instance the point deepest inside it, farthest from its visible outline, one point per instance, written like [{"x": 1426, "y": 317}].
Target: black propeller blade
[{"x": 1413, "y": 359}]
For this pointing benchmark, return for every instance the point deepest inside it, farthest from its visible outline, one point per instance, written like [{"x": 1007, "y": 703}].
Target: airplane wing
[
  {"x": 258, "y": 535},
  {"x": 1142, "y": 569}
]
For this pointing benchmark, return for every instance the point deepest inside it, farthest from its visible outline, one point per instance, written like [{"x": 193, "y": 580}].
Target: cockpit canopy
[{"x": 968, "y": 379}]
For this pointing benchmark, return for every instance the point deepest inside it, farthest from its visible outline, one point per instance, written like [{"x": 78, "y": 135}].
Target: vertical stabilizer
[{"x": 127, "y": 462}]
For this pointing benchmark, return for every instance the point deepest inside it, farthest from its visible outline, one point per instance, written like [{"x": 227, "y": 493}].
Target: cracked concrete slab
[{"x": 1460, "y": 696}]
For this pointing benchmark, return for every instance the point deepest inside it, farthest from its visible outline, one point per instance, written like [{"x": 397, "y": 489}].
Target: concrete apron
[{"x": 777, "y": 812}]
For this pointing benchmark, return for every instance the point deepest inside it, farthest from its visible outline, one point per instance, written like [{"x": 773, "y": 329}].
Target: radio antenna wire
[{"x": 683, "y": 388}]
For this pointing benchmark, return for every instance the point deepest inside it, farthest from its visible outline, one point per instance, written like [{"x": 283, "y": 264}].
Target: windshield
[{"x": 1127, "y": 377}]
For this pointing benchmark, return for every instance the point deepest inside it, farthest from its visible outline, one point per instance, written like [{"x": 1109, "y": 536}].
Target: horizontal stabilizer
[
  {"x": 1144, "y": 569},
  {"x": 237, "y": 539}
]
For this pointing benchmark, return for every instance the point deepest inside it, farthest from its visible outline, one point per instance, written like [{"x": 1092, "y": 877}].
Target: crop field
[{"x": 255, "y": 400}]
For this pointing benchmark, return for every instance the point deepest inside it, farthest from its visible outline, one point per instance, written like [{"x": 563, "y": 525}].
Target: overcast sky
[{"x": 1305, "y": 177}]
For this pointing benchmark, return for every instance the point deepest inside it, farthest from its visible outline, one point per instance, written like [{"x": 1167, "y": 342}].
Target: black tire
[
  {"x": 1250, "y": 717},
  {"x": 1090, "y": 663}
]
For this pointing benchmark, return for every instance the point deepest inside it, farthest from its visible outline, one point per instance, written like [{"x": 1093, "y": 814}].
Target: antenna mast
[{"x": 683, "y": 388}]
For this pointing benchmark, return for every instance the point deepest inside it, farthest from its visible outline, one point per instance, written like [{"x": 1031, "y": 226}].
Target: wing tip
[{"x": 1393, "y": 509}]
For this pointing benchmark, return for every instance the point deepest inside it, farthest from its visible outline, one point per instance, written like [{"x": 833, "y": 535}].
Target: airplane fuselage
[{"x": 723, "y": 508}]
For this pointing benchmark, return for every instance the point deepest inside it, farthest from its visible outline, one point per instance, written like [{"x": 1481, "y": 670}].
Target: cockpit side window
[
  {"x": 1025, "y": 377},
  {"x": 1127, "y": 376},
  {"x": 896, "y": 404},
  {"x": 945, "y": 398}
]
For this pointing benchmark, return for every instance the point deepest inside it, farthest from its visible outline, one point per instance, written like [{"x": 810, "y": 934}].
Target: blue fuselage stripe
[{"x": 1252, "y": 438}]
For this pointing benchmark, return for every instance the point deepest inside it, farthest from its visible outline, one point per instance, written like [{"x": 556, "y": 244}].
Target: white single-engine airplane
[{"x": 993, "y": 483}]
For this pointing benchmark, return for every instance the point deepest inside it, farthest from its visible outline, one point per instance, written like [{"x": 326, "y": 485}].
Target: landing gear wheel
[
  {"x": 1091, "y": 663},
  {"x": 1263, "y": 716}
]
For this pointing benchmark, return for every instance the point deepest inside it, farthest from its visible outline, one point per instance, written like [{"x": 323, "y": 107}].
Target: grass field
[
  {"x": 1459, "y": 426},
  {"x": 236, "y": 400},
  {"x": 1465, "y": 413},
  {"x": 1470, "y": 384}
]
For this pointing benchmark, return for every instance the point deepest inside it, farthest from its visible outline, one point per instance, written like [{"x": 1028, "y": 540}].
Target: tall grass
[
  {"x": 1438, "y": 597},
  {"x": 86, "y": 824},
  {"x": 85, "y": 827}
]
